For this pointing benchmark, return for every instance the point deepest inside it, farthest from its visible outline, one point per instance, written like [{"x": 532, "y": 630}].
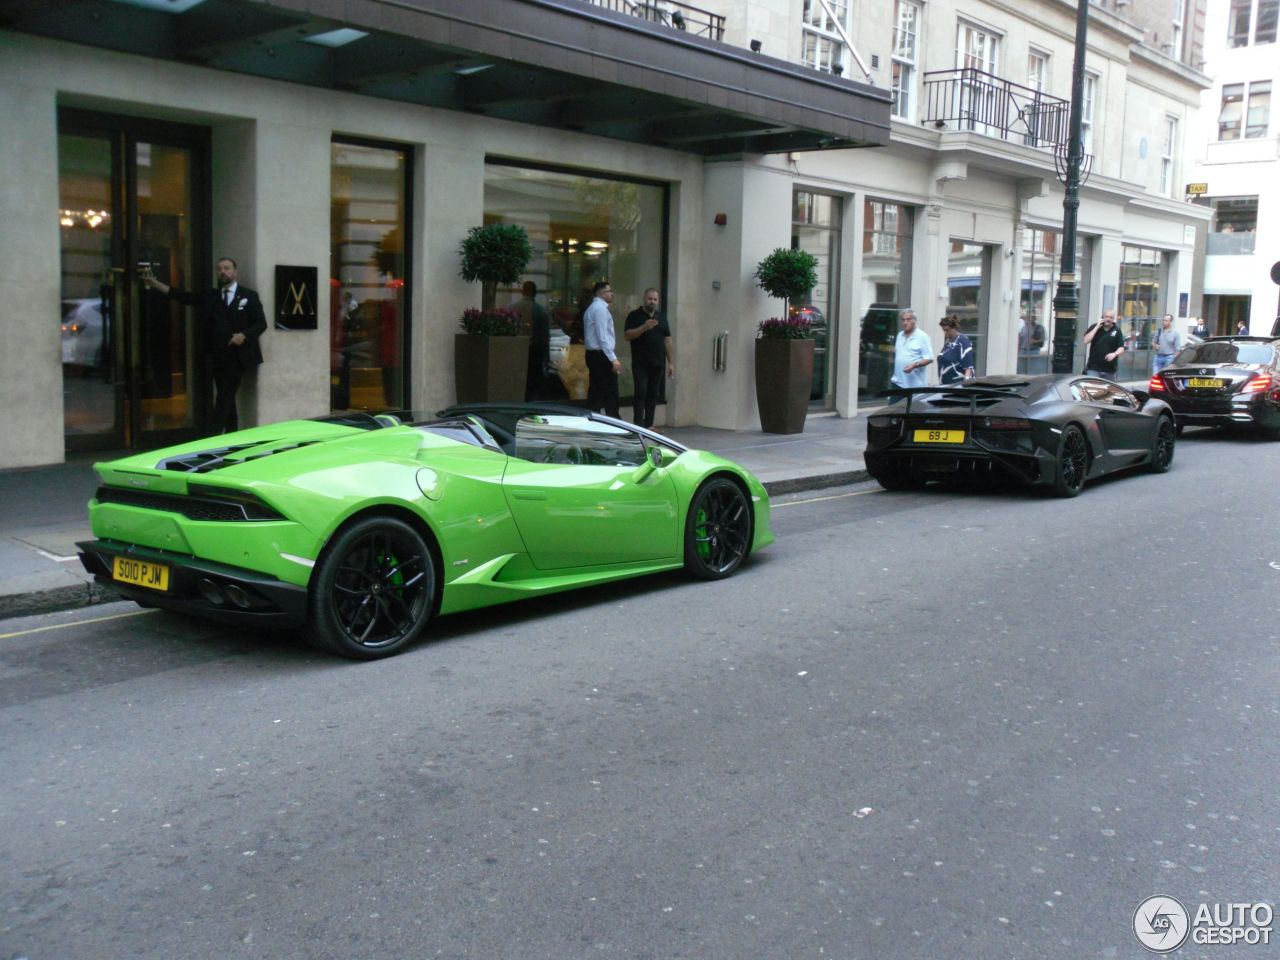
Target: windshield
[{"x": 1225, "y": 351}]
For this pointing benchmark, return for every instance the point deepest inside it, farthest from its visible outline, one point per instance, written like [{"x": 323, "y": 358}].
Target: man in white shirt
[
  {"x": 602, "y": 361},
  {"x": 912, "y": 353}
]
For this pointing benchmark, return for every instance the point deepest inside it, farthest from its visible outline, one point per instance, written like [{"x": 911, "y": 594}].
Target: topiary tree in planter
[
  {"x": 491, "y": 355},
  {"x": 784, "y": 347},
  {"x": 788, "y": 275},
  {"x": 492, "y": 254}
]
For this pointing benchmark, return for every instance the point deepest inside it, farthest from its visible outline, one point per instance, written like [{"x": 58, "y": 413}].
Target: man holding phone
[
  {"x": 1105, "y": 343},
  {"x": 231, "y": 320},
  {"x": 650, "y": 338}
]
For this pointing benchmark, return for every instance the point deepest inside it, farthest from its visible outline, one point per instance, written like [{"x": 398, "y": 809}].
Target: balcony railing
[
  {"x": 970, "y": 99},
  {"x": 1230, "y": 243},
  {"x": 679, "y": 16}
]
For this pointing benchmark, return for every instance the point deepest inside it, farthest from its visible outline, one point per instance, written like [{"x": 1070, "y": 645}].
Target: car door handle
[{"x": 528, "y": 495}]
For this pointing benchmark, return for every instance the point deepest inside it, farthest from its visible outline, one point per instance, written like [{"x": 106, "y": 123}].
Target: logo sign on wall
[{"x": 296, "y": 298}]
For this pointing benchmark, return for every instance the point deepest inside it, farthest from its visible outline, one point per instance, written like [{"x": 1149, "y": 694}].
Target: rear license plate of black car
[
  {"x": 937, "y": 436},
  {"x": 1206, "y": 383}
]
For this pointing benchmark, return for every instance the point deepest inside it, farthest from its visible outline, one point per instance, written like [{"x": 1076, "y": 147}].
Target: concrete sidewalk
[{"x": 43, "y": 509}]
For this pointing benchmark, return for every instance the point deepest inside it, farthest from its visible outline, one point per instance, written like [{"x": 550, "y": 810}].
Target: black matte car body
[
  {"x": 1055, "y": 431},
  {"x": 1224, "y": 382}
]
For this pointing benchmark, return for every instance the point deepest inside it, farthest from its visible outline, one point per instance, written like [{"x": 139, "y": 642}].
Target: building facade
[
  {"x": 341, "y": 150},
  {"x": 1236, "y": 173}
]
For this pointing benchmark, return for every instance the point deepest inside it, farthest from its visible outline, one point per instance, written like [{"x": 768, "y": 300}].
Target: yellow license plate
[
  {"x": 938, "y": 436},
  {"x": 1206, "y": 382},
  {"x": 140, "y": 573}
]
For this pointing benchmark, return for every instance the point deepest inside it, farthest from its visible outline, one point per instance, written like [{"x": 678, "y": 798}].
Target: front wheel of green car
[
  {"x": 717, "y": 531},
  {"x": 373, "y": 591}
]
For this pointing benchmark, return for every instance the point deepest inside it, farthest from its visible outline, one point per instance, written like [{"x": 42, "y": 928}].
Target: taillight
[
  {"x": 1004, "y": 423},
  {"x": 884, "y": 423},
  {"x": 1260, "y": 383},
  {"x": 1155, "y": 384}
]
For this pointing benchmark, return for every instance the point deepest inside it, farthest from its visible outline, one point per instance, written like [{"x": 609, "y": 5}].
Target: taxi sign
[{"x": 1197, "y": 189}]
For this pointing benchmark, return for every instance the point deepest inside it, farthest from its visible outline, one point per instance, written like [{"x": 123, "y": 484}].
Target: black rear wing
[{"x": 961, "y": 392}]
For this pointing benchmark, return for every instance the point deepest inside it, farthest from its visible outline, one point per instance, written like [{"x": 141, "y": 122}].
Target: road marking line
[
  {"x": 73, "y": 623},
  {"x": 838, "y": 496}
]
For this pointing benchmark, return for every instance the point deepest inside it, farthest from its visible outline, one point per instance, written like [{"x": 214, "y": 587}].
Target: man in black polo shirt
[
  {"x": 650, "y": 338},
  {"x": 1105, "y": 343}
]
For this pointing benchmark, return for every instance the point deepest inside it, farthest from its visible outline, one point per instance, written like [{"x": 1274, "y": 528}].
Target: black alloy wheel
[
  {"x": 373, "y": 591},
  {"x": 1073, "y": 462},
  {"x": 1163, "y": 446},
  {"x": 717, "y": 530}
]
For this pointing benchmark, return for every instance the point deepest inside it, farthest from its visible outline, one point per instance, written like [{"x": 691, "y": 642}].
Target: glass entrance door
[
  {"x": 129, "y": 193},
  {"x": 969, "y": 293}
]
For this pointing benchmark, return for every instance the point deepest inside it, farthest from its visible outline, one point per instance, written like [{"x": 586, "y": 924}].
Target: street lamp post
[{"x": 1066, "y": 302}]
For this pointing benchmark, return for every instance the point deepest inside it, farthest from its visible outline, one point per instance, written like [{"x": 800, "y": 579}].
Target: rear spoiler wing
[{"x": 961, "y": 392}]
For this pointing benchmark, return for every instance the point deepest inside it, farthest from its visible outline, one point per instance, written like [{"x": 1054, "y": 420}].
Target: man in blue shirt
[
  {"x": 912, "y": 353},
  {"x": 602, "y": 362}
]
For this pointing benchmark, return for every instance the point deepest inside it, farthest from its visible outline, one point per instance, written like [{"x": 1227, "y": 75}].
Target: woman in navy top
[{"x": 955, "y": 362}]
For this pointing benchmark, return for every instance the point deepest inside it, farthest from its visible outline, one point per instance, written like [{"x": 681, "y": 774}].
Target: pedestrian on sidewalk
[
  {"x": 230, "y": 319},
  {"x": 912, "y": 353},
  {"x": 955, "y": 362},
  {"x": 651, "y": 358},
  {"x": 1168, "y": 343},
  {"x": 603, "y": 366},
  {"x": 1105, "y": 343}
]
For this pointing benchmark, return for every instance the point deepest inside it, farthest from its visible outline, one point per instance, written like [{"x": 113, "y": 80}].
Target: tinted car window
[
  {"x": 576, "y": 440},
  {"x": 1226, "y": 351},
  {"x": 1091, "y": 391}
]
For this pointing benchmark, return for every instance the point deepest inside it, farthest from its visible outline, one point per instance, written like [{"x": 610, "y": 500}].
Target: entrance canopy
[{"x": 564, "y": 64}]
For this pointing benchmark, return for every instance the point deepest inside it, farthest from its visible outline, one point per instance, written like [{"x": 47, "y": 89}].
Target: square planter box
[{"x": 490, "y": 369}]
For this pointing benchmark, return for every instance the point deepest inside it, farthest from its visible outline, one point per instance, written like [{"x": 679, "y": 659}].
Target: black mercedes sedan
[
  {"x": 1223, "y": 382},
  {"x": 1054, "y": 431}
]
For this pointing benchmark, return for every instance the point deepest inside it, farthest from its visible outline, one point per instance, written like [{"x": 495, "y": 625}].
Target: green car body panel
[{"x": 501, "y": 528}]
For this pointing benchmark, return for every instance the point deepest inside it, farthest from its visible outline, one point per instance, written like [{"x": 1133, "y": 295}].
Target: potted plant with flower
[
  {"x": 784, "y": 346},
  {"x": 491, "y": 354}
]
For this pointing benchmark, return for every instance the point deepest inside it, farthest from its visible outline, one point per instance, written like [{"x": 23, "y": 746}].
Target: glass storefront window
[
  {"x": 1041, "y": 264},
  {"x": 1141, "y": 305},
  {"x": 583, "y": 229},
  {"x": 368, "y": 276},
  {"x": 969, "y": 295},
  {"x": 886, "y": 289},
  {"x": 815, "y": 228}
]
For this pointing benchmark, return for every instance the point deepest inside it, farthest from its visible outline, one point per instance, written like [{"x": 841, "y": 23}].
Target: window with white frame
[
  {"x": 1179, "y": 21},
  {"x": 1168, "y": 156},
  {"x": 906, "y": 29},
  {"x": 820, "y": 43},
  {"x": 977, "y": 48},
  {"x": 1037, "y": 80},
  {"x": 1252, "y": 21},
  {"x": 1086, "y": 111},
  {"x": 1245, "y": 110}
]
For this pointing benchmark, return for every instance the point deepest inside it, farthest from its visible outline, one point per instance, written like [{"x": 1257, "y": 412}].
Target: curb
[
  {"x": 776, "y": 488},
  {"x": 76, "y": 595},
  {"x": 71, "y": 597}
]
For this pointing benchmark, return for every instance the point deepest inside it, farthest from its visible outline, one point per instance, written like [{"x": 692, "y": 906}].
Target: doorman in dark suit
[{"x": 231, "y": 320}]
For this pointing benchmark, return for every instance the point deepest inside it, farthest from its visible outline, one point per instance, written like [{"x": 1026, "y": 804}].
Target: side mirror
[
  {"x": 652, "y": 460},
  {"x": 1142, "y": 396}
]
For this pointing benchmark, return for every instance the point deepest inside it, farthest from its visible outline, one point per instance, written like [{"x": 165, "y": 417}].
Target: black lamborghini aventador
[{"x": 1055, "y": 431}]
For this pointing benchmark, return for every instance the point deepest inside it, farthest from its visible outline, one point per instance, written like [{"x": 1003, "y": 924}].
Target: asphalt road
[{"x": 920, "y": 725}]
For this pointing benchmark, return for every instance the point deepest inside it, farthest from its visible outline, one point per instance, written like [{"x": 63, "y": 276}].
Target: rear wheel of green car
[
  {"x": 717, "y": 531},
  {"x": 373, "y": 590}
]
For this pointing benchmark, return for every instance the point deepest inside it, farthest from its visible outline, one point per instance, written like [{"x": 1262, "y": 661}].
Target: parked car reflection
[{"x": 82, "y": 332}]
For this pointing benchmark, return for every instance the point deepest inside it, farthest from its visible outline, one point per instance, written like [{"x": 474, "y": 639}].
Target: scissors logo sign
[{"x": 295, "y": 298}]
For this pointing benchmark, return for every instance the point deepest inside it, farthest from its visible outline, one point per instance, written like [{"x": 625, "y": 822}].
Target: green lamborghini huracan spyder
[{"x": 359, "y": 529}]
